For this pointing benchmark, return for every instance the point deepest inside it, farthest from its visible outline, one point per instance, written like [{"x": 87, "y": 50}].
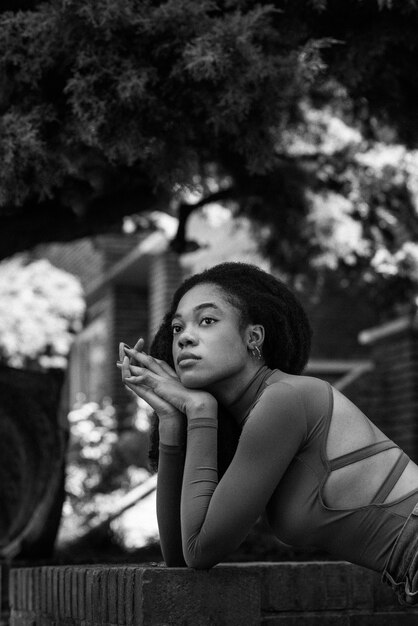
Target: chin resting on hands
[{"x": 157, "y": 383}]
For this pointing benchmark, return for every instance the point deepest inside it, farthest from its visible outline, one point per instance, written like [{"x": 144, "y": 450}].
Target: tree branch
[
  {"x": 51, "y": 221},
  {"x": 180, "y": 244}
]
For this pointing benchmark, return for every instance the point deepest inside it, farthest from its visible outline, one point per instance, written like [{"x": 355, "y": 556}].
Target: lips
[{"x": 187, "y": 356}]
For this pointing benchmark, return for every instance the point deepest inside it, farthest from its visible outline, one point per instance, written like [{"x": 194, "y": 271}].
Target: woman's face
[{"x": 208, "y": 344}]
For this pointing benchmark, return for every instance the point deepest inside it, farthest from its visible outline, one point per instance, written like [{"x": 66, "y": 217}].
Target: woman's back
[{"x": 349, "y": 488}]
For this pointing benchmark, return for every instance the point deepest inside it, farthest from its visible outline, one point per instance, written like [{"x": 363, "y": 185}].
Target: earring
[{"x": 256, "y": 352}]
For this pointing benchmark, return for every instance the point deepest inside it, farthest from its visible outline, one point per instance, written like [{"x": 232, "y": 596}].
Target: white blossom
[
  {"x": 92, "y": 442},
  {"x": 321, "y": 131},
  {"x": 403, "y": 262},
  {"x": 332, "y": 226},
  {"x": 41, "y": 308}
]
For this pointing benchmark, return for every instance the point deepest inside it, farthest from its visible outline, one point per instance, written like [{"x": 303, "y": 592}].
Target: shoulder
[
  {"x": 296, "y": 398},
  {"x": 307, "y": 389},
  {"x": 280, "y": 407},
  {"x": 300, "y": 382}
]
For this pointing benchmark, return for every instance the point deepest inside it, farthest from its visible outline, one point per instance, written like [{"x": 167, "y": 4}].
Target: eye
[
  {"x": 176, "y": 329},
  {"x": 207, "y": 321}
]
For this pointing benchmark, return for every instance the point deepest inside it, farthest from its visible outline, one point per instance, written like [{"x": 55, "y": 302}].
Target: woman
[{"x": 228, "y": 357}]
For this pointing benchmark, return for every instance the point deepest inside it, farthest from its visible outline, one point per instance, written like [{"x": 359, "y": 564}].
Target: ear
[{"x": 255, "y": 336}]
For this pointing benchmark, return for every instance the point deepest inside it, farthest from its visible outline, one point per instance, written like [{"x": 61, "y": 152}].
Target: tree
[
  {"x": 113, "y": 108},
  {"x": 358, "y": 208}
]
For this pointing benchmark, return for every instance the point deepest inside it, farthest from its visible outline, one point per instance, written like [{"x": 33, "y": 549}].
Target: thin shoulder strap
[
  {"x": 360, "y": 454},
  {"x": 391, "y": 479}
]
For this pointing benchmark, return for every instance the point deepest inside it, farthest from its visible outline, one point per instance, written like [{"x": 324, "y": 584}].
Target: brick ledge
[{"x": 230, "y": 594}]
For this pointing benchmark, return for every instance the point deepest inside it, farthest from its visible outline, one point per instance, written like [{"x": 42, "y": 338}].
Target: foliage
[
  {"x": 109, "y": 107},
  {"x": 96, "y": 479},
  {"x": 41, "y": 309},
  {"x": 341, "y": 202},
  {"x": 361, "y": 200},
  {"x": 108, "y": 103}
]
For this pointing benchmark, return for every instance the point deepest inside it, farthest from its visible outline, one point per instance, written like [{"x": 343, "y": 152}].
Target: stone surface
[
  {"x": 313, "y": 587},
  {"x": 218, "y": 596},
  {"x": 247, "y": 594}
]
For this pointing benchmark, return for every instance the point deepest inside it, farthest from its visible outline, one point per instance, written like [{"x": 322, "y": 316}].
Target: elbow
[{"x": 200, "y": 553}]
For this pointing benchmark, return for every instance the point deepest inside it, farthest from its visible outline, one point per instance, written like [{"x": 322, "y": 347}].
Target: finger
[
  {"x": 137, "y": 349},
  {"x": 142, "y": 358},
  {"x": 122, "y": 350},
  {"x": 167, "y": 368},
  {"x": 171, "y": 392},
  {"x": 154, "y": 401},
  {"x": 139, "y": 346},
  {"x": 146, "y": 361},
  {"x": 125, "y": 368},
  {"x": 157, "y": 366},
  {"x": 140, "y": 379},
  {"x": 148, "y": 376}
]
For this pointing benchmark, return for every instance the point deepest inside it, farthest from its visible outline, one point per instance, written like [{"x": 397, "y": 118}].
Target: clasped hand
[{"x": 157, "y": 383}]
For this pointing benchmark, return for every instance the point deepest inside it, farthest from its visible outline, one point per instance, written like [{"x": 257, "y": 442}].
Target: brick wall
[
  {"x": 165, "y": 276},
  {"x": 337, "y": 316},
  {"x": 82, "y": 365},
  {"x": 129, "y": 322},
  {"x": 251, "y": 594},
  {"x": 4, "y": 593},
  {"x": 392, "y": 388},
  {"x": 115, "y": 246},
  {"x": 397, "y": 373},
  {"x": 89, "y": 258}
]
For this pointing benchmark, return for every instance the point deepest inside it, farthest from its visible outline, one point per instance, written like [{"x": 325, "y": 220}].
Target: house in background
[{"x": 129, "y": 280}]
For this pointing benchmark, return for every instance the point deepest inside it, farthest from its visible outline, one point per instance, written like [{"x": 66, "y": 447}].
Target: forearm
[
  {"x": 199, "y": 481},
  {"x": 170, "y": 476}
]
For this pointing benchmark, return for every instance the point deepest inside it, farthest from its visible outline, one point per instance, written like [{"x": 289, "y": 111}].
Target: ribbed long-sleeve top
[{"x": 281, "y": 466}]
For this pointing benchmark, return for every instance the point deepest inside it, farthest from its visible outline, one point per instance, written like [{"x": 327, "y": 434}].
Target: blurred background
[{"x": 142, "y": 142}]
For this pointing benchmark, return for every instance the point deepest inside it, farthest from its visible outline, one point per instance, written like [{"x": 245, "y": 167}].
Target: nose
[{"x": 186, "y": 338}]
